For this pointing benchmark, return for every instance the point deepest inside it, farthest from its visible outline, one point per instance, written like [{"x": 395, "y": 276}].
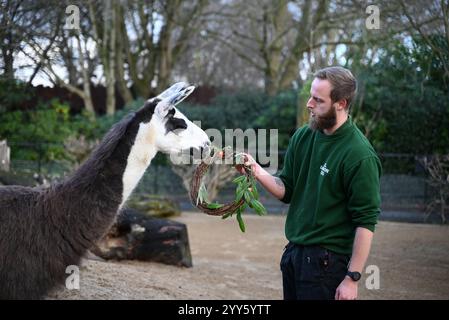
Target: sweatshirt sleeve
[
  {"x": 362, "y": 182},
  {"x": 286, "y": 174}
]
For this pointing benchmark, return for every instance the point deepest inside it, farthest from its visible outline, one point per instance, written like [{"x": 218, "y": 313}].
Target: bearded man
[{"x": 331, "y": 179}]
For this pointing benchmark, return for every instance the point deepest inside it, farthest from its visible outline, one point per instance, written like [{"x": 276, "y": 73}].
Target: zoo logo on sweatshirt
[{"x": 324, "y": 169}]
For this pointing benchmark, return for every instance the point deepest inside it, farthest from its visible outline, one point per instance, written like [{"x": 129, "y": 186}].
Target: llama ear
[
  {"x": 169, "y": 102},
  {"x": 176, "y": 93},
  {"x": 162, "y": 108},
  {"x": 174, "y": 89},
  {"x": 181, "y": 95}
]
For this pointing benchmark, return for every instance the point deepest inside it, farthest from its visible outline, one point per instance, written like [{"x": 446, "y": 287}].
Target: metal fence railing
[{"x": 403, "y": 183}]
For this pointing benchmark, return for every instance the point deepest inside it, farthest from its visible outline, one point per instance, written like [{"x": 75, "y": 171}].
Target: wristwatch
[{"x": 355, "y": 276}]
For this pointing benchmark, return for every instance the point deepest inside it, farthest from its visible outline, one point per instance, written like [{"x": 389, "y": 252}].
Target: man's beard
[{"x": 325, "y": 121}]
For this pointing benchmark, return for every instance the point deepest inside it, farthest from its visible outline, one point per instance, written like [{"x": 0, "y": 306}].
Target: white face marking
[
  {"x": 184, "y": 139},
  {"x": 153, "y": 137}
]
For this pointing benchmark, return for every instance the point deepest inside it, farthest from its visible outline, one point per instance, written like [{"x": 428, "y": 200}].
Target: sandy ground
[{"x": 413, "y": 260}]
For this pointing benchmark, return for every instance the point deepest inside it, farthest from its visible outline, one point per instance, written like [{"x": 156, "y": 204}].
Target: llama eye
[
  {"x": 180, "y": 127},
  {"x": 171, "y": 113},
  {"x": 175, "y": 125}
]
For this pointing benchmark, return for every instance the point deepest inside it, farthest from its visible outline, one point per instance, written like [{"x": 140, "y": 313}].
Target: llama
[{"x": 44, "y": 230}]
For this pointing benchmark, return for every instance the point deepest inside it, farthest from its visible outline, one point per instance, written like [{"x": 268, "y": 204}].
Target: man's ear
[{"x": 342, "y": 104}]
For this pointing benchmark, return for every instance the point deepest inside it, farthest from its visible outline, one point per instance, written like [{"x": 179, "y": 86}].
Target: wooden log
[
  {"x": 138, "y": 237},
  {"x": 5, "y": 153},
  {"x": 154, "y": 205}
]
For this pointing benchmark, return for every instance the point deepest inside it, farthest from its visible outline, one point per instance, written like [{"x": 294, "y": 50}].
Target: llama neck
[
  {"x": 107, "y": 178},
  {"x": 142, "y": 152},
  {"x": 90, "y": 199}
]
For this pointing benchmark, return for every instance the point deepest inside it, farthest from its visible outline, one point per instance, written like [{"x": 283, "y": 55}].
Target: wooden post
[{"x": 4, "y": 156}]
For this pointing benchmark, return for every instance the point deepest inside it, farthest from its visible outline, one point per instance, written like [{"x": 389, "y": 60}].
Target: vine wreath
[{"x": 246, "y": 194}]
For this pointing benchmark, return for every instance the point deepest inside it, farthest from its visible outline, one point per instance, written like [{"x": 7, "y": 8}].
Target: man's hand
[
  {"x": 272, "y": 184},
  {"x": 249, "y": 161},
  {"x": 347, "y": 290}
]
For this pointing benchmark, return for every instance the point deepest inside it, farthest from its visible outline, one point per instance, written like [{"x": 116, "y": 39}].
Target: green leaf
[
  {"x": 253, "y": 185},
  {"x": 240, "y": 220},
  {"x": 227, "y": 215},
  {"x": 248, "y": 196},
  {"x": 240, "y": 192},
  {"x": 252, "y": 180},
  {"x": 214, "y": 205},
  {"x": 202, "y": 194},
  {"x": 245, "y": 184},
  {"x": 260, "y": 209},
  {"x": 255, "y": 192},
  {"x": 239, "y": 179}
]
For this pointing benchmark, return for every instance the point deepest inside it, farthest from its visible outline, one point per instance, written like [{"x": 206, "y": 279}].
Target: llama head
[
  {"x": 177, "y": 133},
  {"x": 172, "y": 132}
]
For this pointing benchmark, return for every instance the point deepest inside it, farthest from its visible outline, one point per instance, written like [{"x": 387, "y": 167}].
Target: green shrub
[
  {"x": 37, "y": 134},
  {"x": 248, "y": 109},
  {"x": 408, "y": 91},
  {"x": 14, "y": 93}
]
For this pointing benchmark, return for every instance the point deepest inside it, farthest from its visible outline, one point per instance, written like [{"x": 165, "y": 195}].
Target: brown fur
[{"x": 42, "y": 231}]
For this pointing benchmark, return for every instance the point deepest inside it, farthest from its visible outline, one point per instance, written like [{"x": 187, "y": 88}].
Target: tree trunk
[
  {"x": 8, "y": 57},
  {"x": 164, "y": 70},
  {"x": 68, "y": 57},
  {"x": 109, "y": 54},
  {"x": 5, "y": 152},
  {"x": 87, "y": 98},
  {"x": 120, "y": 61},
  {"x": 8, "y": 61},
  {"x": 273, "y": 56}
]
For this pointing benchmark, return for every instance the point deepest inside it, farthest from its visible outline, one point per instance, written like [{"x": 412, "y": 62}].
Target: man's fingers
[
  {"x": 249, "y": 161},
  {"x": 240, "y": 168}
]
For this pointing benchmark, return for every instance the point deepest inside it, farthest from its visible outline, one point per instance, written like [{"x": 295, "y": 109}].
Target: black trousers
[{"x": 311, "y": 272}]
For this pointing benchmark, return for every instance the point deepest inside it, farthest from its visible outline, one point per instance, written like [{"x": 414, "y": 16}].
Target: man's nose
[{"x": 310, "y": 103}]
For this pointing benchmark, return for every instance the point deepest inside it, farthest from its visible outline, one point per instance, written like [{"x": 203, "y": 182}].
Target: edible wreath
[{"x": 246, "y": 194}]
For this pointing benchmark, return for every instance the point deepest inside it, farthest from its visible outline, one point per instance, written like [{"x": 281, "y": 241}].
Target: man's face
[{"x": 323, "y": 114}]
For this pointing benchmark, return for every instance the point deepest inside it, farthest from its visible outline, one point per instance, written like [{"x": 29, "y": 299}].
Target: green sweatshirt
[{"x": 332, "y": 185}]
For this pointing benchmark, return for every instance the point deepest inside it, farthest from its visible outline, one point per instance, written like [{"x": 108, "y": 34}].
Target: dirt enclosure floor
[{"x": 413, "y": 260}]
